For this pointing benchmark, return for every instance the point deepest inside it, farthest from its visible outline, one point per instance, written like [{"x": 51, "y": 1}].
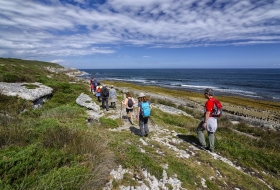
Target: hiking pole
[
  {"x": 121, "y": 108},
  {"x": 121, "y": 111}
]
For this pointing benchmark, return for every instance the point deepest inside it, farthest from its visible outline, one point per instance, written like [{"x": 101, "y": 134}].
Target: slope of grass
[{"x": 52, "y": 147}]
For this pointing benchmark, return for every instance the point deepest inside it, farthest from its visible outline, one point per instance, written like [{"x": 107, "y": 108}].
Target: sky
[{"x": 114, "y": 34}]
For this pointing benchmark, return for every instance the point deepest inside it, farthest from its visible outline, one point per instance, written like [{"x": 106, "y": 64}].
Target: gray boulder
[
  {"x": 20, "y": 90},
  {"x": 86, "y": 101},
  {"x": 37, "y": 92},
  {"x": 93, "y": 111}
]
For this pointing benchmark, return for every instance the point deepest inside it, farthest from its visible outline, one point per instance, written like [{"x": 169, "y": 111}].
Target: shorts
[
  {"x": 211, "y": 125},
  {"x": 129, "y": 110}
]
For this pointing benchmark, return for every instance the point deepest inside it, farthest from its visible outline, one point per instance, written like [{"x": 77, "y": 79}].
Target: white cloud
[
  {"x": 62, "y": 29},
  {"x": 80, "y": 1},
  {"x": 57, "y": 61}
]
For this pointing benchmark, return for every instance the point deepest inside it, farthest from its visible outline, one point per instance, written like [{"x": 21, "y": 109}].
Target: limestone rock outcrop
[
  {"x": 21, "y": 90},
  {"x": 36, "y": 92},
  {"x": 86, "y": 101},
  {"x": 93, "y": 109}
]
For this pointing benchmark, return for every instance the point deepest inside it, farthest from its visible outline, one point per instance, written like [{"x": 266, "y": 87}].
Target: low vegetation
[{"x": 55, "y": 148}]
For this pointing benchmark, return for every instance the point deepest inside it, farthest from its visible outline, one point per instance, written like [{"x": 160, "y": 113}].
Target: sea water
[{"x": 253, "y": 83}]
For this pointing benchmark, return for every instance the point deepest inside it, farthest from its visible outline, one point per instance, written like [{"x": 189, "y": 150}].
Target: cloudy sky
[{"x": 143, "y": 33}]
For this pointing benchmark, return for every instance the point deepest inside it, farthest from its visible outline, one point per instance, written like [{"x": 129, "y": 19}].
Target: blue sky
[{"x": 143, "y": 33}]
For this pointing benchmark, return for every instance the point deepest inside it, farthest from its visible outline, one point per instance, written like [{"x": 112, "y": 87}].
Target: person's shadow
[
  {"x": 134, "y": 130},
  {"x": 188, "y": 138}
]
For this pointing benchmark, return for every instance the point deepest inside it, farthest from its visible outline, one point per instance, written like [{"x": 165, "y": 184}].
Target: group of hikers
[
  {"x": 106, "y": 95},
  {"x": 212, "y": 110}
]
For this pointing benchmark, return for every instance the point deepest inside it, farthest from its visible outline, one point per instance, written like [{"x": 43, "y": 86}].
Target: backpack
[
  {"x": 145, "y": 109},
  {"x": 105, "y": 92},
  {"x": 217, "y": 110},
  {"x": 130, "y": 102},
  {"x": 98, "y": 89}
]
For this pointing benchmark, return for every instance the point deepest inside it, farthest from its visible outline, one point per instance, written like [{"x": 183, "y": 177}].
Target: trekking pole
[
  {"x": 121, "y": 111},
  {"x": 121, "y": 108}
]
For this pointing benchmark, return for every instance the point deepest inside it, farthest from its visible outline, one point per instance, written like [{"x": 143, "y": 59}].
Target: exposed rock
[
  {"x": 20, "y": 90},
  {"x": 93, "y": 116},
  {"x": 86, "y": 101},
  {"x": 152, "y": 181},
  {"x": 71, "y": 72},
  {"x": 93, "y": 111},
  {"x": 39, "y": 93}
]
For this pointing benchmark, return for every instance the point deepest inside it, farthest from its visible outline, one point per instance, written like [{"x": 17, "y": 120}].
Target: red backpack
[{"x": 217, "y": 110}]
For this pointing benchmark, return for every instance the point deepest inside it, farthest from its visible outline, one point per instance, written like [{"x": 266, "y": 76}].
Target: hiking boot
[
  {"x": 203, "y": 147},
  {"x": 209, "y": 149},
  {"x": 146, "y": 135}
]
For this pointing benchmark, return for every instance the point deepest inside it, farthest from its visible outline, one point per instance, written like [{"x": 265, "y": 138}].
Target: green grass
[
  {"x": 20, "y": 166},
  {"x": 170, "y": 119},
  {"x": 109, "y": 123},
  {"x": 251, "y": 153},
  {"x": 30, "y": 86}
]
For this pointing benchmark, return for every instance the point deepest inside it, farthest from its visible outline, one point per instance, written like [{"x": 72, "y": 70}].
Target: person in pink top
[{"x": 129, "y": 103}]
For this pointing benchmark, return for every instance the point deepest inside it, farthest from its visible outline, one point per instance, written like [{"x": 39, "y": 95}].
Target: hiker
[
  {"x": 129, "y": 102},
  {"x": 104, "y": 96},
  {"x": 143, "y": 119},
  {"x": 95, "y": 84},
  {"x": 208, "y": 123},
  {"x": 113, "y": 97},
  {"x": 98, "y": 90},
  {"x": 91, "y": 83}
]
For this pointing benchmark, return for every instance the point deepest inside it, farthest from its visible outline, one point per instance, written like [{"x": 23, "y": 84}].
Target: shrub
[
  {"x": 109, "y": 123},
  {"x": 22, "y": 166},
  {"x": 15, "y": 133},
  {"x": 64, "y": 113},
  {"x": 13, "y": 105}
]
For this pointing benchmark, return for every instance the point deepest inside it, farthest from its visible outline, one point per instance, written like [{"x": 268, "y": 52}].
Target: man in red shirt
[{"x": 208, "y": 123}]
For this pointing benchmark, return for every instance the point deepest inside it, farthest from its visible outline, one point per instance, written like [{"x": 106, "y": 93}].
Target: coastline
[
  {"x": 237, "y": 108},
  {"x": 258, "y": 117},
  {"x": 247, "y": 83}
]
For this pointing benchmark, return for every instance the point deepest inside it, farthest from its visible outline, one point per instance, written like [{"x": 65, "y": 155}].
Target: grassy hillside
[
  {"x": 52, "y": 147},
  {"x": 55, "y": 148}
]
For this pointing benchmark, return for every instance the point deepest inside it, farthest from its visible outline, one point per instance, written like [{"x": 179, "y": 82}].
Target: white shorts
[{"x": 211, "y": 124}]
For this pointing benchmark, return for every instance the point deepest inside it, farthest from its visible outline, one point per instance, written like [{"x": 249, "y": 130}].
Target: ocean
[{"x": 253, "y": 83}]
